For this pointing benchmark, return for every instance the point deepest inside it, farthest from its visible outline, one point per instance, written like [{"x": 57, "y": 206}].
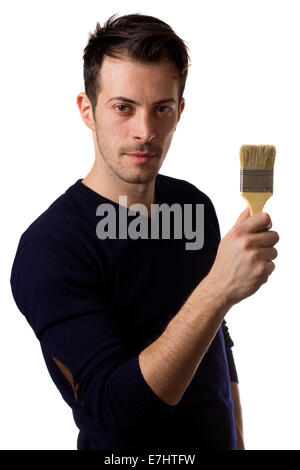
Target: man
[{"x": 132, "y": 329}]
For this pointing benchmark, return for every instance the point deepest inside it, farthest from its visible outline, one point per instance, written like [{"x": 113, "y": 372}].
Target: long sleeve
[
  {"x": 228, "y": 341},
  {"x": 94, "y": 304},
  {"x": 229, "y": 344},
  {"x": 64, "y": 299}
]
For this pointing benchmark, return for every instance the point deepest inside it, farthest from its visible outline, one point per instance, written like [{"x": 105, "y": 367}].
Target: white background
[{"x": 242, "y": 88}]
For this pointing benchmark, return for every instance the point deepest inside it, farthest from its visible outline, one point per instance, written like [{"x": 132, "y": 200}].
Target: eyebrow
[{"x": 123, "y": 98}]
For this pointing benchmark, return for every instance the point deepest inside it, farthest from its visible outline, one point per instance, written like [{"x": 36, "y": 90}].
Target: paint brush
[{"x": 256, "y": 175}]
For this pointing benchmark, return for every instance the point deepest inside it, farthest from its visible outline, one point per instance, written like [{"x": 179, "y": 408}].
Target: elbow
[{"x": 101, "y": 403}]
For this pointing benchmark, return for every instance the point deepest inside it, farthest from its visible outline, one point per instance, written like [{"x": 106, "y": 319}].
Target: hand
[{"x": 244, "y": 257}]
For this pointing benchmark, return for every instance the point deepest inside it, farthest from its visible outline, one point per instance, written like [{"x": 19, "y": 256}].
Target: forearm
[
  {"x": 238, "y": 416},
  {"x": 169, "y": 363}
]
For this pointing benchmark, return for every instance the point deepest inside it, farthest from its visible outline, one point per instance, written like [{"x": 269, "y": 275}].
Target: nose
[{"x": 143, "y": 129}]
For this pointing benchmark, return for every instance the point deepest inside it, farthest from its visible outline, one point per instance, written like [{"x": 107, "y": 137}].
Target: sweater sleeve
[
  {"x": 215, "y": 233},
  {"x": 228, "y": 341},
  {"x": 230, "y": 360},
  {"x": 64, "y": 299}
]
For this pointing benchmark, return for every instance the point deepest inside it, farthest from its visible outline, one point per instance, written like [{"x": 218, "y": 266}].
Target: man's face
[{"x": 122, "y": 127}]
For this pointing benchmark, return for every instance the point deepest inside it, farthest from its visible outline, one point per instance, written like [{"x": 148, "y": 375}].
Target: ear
[
  {"x": 182, "y": 105},
  {"x": 180, "y": 111},
  {"x": 85, "y": 109}
]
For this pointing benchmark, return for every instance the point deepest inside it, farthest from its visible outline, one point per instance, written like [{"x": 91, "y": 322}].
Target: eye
[
  {"x": 121, "y": 106},
  {"x": 164, "y": 108}
]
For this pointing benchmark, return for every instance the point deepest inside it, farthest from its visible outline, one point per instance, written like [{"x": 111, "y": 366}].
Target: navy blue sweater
[{"x": 95, "y": 304}]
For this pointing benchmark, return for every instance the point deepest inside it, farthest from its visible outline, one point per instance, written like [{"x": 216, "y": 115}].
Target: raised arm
[{"x": 243, "y": 263}]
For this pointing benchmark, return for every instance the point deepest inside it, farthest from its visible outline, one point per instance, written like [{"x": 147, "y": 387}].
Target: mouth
[{"x": 140, "y": 157}]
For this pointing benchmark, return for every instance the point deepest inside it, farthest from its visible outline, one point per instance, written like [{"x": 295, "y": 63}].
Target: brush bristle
[{"x": 260, "y": 157}]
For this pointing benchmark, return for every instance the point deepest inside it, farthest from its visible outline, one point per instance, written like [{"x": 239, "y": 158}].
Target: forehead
[{"x": 124, "y": 71}]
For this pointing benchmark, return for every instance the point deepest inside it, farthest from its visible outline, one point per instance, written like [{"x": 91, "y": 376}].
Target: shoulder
[
  {"x": 52, "y": 246},
  {"x": 179, "y": 190},
  {"x": 183, "y": 190},
  {"x": 56, "y": 223},
  {"x": 52, "y": 269}
]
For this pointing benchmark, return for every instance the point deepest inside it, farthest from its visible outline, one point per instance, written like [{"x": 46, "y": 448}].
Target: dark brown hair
[{"x": 145, "y": 39}]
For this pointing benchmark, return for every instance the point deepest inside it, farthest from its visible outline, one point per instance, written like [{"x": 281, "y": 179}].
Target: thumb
[{"x": 243, "y": 216}]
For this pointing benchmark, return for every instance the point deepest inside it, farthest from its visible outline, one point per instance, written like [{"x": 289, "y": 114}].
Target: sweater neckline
[{"x": 93, "y": 199}]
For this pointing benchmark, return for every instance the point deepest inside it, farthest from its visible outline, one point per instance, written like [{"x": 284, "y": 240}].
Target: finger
[
  {"x": 270, "y": 266},
  {"x": 257, "y": 222},
  {"x": 267, "y": 254},
  {"x": 264, "y": 239},
  {"x": 243, "y": 216}
]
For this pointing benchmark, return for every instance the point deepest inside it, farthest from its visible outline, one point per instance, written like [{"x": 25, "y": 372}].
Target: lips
[
  {"x": 137, "y": 154},
  {"x": 140, "y": 157}
]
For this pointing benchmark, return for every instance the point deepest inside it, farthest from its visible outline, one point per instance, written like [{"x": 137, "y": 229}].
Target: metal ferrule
[{"x": 256, "y": 181}]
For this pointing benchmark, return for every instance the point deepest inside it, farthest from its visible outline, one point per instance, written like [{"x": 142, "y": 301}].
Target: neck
[{"x": 110, "y": 186}]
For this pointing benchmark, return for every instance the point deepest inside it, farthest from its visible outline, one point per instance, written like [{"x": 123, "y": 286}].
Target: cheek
[
  {"x": 169, "y": 131},
  {"x": 113, "y": 131},
  {"x": 165, "y": 129}
]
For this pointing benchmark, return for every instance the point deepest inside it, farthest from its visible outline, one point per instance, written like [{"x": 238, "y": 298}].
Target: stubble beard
[{"x": 116, "y": 166}]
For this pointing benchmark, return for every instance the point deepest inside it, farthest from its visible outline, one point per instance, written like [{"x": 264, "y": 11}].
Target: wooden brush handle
[{"x": 256, "y": 201}]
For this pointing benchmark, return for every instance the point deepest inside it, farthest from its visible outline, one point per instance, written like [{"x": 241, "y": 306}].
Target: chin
[{"x": 139, "y": 178}]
